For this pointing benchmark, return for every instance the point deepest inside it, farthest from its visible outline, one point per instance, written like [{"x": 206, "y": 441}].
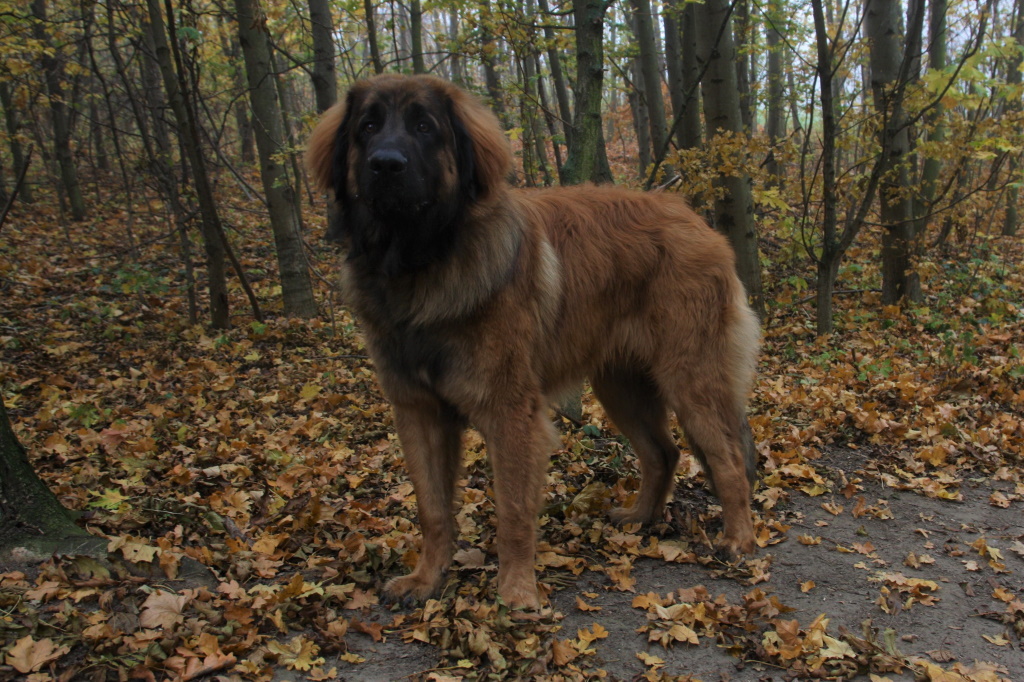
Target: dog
[{"x": 481, "y": 303}]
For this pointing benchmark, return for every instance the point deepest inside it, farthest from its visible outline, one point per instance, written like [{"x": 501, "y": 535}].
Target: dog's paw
[
  {"x": 734, "y": 547},
  {"x": 623, "y": 515},
  {"x": 411, "y": 587},
  {"x": 520, "y": 596}
]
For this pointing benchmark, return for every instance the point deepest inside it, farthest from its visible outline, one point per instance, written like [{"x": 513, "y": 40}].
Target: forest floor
[{"x": 889, "y": 509}]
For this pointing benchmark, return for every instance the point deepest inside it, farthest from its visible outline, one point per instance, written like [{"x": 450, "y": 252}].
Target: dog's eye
[
  {"x": 423, "y": 127},
  {"x": 370, "y": 127}
]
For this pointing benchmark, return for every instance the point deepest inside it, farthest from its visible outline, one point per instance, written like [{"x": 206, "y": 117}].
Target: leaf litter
[{"x": 891, "y": 481}]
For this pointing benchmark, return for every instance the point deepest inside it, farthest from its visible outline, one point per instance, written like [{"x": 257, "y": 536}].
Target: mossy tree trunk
[{"x": 31, "y": 517}]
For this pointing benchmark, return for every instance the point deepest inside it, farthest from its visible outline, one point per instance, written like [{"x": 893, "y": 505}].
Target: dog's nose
[{"x": 388, "y": 161}]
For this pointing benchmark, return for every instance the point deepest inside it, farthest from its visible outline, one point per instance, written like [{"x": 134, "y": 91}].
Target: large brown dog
[{"x": 481, "y": 303}]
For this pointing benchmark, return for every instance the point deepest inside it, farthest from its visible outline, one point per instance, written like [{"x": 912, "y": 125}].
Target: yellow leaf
[
  {"x": 586, "y": 636},
  {"x": 298, "y": 654},
  {"x": 681, "y": 633},
  {"x": 28, "y": 655},
  {"x": 162, "y": 610},
  {"x": 998, "y": 640},
  {"x": 310, "y": 391},
  {"x": 650, "y": 659},
  {"x": 807, "y": 586}
]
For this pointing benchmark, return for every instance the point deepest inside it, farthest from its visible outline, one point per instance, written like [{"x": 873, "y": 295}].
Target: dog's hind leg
[
  {"x": 715, "y": 431},
  {"x": 431, "y": 435},
  {"x": 635, "y": 405}
]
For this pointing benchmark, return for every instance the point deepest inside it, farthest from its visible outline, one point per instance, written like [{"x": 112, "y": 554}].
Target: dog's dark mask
[{"x": 397, "y": 209}]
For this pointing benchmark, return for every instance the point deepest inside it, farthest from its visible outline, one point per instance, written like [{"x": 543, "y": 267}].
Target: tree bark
[
  {"x": 416, "y": 36},
  {"x": 188, "y": 132},
  {"x": 490, "y": 60},
  {"x": 671, "y": 21},
  {"x": 734, "y": 209},
  {"x": 831, "y": 249},
  {"x": 741, "y": 35},
  {"x": 557, "y": 73},
  {"x": 889, "y": 75},
  {"x": 53, "y": 74},
  {"x": 587, "y": 158},
  {"x": 1013, "y": 78},
  {"x": 268, "y": 125},
  {"x": 371, "y": 37},
  {"x": 924, "y": 205},
  {"x": 650, "y": 70},
  {"x": 12, "y": 124},
  {"x": 690, "y": 125},
  {"x": 637, "y": 94},
  {"x": 31, "y": 516},
  {"x": 775, "y": 123}
]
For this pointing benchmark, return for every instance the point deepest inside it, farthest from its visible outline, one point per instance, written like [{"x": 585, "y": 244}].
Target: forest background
[{"x": 179, "y": 370}]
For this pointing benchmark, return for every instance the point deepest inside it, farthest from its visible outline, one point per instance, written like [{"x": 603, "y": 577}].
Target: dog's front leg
[
  {"x": 430, "y": 433},
  {"x": 519, "y": 437}
]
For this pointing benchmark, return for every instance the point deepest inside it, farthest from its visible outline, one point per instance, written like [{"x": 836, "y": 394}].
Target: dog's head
[{"x": 403, "y": 151}]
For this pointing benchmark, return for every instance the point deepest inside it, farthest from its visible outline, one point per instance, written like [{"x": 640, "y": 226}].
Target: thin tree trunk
[
  {"x": 650, "y": 71},
  {"x": 557, "y": 73},
  {"x": 923, "y": 207},
  {"x": 775, "y": 121},
  {"x": 671, "y": 20},
  {"x": 734, "y": 208},
  {"x": 53, "y": 75},
  {"x": 371, "y": 37},
  {"x": 831, "y": 250},
  {"x": 490, "y": 60},
  {"x": 690, "y": 126},
  {"x": 1013, "y": 78},
  {"x": 416, "y": 36},
  {"x": 13, "y": 125},
  {"x": 587, "y": 158},
  {"x": 188, "y": 133},
  {"x": 296, "y": 288},
  {"x": 741, "y": 33},
  {"x": 889, "y": 75},
  {"x": 637, "y": 94}
]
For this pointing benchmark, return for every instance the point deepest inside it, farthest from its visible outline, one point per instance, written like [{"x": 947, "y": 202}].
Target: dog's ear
[
  {"x": 327, "y": 151},
  {"x": 482, "y": 150}
]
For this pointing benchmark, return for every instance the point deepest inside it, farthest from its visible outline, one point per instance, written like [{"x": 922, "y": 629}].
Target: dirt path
[{"x": 942, "y": 569}]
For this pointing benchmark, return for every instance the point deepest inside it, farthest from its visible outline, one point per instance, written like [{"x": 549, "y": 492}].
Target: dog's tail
[{"x": 744, "y": 344}]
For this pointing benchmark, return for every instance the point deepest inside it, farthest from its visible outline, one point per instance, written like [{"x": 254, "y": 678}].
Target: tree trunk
[
  {"x": 650, "y": 71},
  {"x": 924, "y": 205},
  {"x": 587, "y": 158},
  {"x": 371, "y": 37},
  {"x": 53, "y": 75},
  {"x": 889, "y": 75},
  {"x": 416, "y": 36},
  {"x": 741, "y": 36},
  {"x": 637, "y": 95},
  {"x": 557, "y": 73},
  {"x": 734, "y": 209},
  {"x": 188, "y": 133},
  {"x": 325, "y": 80},
  {"x": 296, "y": 288},
  {"x": 775, "y": 123},
  {"x": 12, "y": 124},
  {"x": 671, "y": 20},
  {"x": 1013, "y": 77},
  {"x": 490, "y": 61},
  {"x": 31, "y": 517},
  {"x": 690, "y": 125},
  {"x": 831, "y": 250}
]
